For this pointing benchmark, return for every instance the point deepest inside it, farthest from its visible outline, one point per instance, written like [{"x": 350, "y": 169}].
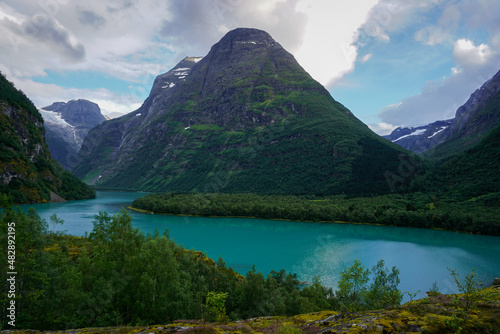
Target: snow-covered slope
[
  {"x": 66, "y": 125},
  {"x": 420, "y": 138}
]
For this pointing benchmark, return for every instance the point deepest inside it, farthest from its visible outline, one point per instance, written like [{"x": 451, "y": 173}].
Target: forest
[
  {"x": 421, "y": 210},
  {"x": 117, "y": 275}
]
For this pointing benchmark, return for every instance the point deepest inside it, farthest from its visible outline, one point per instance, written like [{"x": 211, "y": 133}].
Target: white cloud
[
  {"x": 45, "y": 94},
  {"x": 366, "y": 57},
  {"x": 441, "y": 22},
  {"x": 134, "y": 39},
  {"x": 467, "y": 54},
  {"x": 327, "y": 52},
  {"x": 439, "y": 100},
  {"x": 382, "y": 128}
]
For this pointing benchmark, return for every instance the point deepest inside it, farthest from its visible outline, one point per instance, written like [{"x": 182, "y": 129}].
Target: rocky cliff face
[
  {"x": 28, "y": 174},
  {"x": 66, "y": 125},
  {"x": 244, "y": 118},
  {"x": 471, "y": 118},
  {"x": 472, "y": 122}
]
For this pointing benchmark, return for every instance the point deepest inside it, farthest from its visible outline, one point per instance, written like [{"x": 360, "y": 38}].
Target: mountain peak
[
  {"x": 246, "y": 114},
  {"x": 242, "y": 39},
  {"x": 247, "y": 35}
]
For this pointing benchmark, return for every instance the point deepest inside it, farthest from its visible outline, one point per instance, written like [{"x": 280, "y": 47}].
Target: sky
[{"x": 391, "y": 62}]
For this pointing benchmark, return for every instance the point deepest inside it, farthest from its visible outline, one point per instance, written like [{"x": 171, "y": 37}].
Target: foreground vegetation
[
  {"x": 118, "y": 276},
  {"x": 116, "y": 279},
  {"x": 435, "y": 314},
  {"x": 479, "y": 215}
]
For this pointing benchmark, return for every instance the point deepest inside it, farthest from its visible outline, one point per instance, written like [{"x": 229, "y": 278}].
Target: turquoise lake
[{"x": 307, "y": 249}]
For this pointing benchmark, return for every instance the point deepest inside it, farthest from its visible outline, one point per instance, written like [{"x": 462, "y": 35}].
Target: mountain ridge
[
  {"x": 473, "y": 121},
  {"x": 244, "y": 118},
  {"x": 419, "y": 138},
  {"x": 66, "y": 125}
]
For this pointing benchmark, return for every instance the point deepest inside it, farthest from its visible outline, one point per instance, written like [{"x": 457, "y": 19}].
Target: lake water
[{"x": 307, "y": 249}]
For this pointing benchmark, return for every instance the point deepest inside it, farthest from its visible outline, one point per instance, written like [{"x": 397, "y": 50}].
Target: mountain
[
  {"x": 66, "y": 125},
  {"x": 420, "y": 138},
  {"x": 472, "y": 122},
  {"x": 473, "y": 172},
  {"x": 28, "y": 174},
  {"x": 244, "y": 118}
]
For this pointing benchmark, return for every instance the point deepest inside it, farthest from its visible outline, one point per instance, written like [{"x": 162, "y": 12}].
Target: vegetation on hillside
[
  {"x": 28, "y": 172},
  {"x": 245, "y": 120},
  {"x": 16, "y": 98},
  {"x": 460, "y": 194},
  {"x": 474, "y": 173}
]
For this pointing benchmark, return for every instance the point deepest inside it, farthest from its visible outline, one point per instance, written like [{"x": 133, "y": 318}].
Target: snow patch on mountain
[
  {"x": 54, "y": 117},
  {"x": 414, "y": 133},
  {"x": 440, "y": 130}
]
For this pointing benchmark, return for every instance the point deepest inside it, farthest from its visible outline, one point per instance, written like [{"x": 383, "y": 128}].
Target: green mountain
[
  {"x": 244, "y": 118},
  {"x": 28, "y": 174},
  {"x": 474, "y": 172}
]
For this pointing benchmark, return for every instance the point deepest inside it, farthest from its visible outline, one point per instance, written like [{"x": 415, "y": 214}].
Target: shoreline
[{"x": 130, "y": 207}]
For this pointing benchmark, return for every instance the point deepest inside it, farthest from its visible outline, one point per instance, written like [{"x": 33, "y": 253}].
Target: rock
[
  {"x": 55, "y": 198},
  {"x": 496, "y": 281}
]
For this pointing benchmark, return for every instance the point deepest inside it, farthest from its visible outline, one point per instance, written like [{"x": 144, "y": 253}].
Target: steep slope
[
  {"x": 245, "y": 118},
  {"x": 66, "y": 125},
  {"x": 421, "y": 138},
  {"x": 473, "y": 121},
  {"x": 474, "y": 172},
  {"x": 28, "y": 174}
]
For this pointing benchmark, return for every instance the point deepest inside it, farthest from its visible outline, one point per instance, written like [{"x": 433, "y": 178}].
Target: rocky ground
[{"x": 465, "y": 313}]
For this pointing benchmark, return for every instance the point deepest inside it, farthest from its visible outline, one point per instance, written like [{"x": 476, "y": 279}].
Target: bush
[{"x": 354, "y": 294}]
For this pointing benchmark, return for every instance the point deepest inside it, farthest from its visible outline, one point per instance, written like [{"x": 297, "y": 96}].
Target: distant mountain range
[
  {"x": 244, "y": 118},
  {"x": 472, "y": 122},
  {"x": 28, "y": 174},
  {"x": 66, "y": 125},
  {"x": 420, "y": 138}
]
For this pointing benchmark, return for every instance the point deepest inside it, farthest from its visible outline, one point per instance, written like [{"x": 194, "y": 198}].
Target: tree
[
  {"x": 55, "y": 221},
  {"x": 354, "y": 294},
  {"x": 215, "y": 306},
  {"x": 352, "y": 288},
  {"x": 471, "y": 288},
  {"x": 384, "y": 289}
]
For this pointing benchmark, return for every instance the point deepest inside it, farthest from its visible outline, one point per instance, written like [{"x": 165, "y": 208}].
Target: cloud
[
  {"x": 42, "y": 30},
  {"x": 382, "y": 128},
  {"x": 439, "y": 100},
  {"x": 328, "y": 51},
  {"x": 91, "y": 18},
  {"x": 441, "y": 26},
  {"x": 45, "y": 94},
  {"x": 47, "y": 30},
  {"x": 366, "y": 57},
  {"x": 389, "y": 16},
  {"x": 467, "y": 54},
  {"x": 432, "y": 35},
  {"x": 194, "y": 26}
]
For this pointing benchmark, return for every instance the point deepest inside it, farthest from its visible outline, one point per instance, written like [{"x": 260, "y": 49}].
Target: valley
[{"x": 241, "y": 155}]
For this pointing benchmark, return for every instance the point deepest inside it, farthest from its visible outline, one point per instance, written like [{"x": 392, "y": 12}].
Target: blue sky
[{"x": 391, "y": 62}]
